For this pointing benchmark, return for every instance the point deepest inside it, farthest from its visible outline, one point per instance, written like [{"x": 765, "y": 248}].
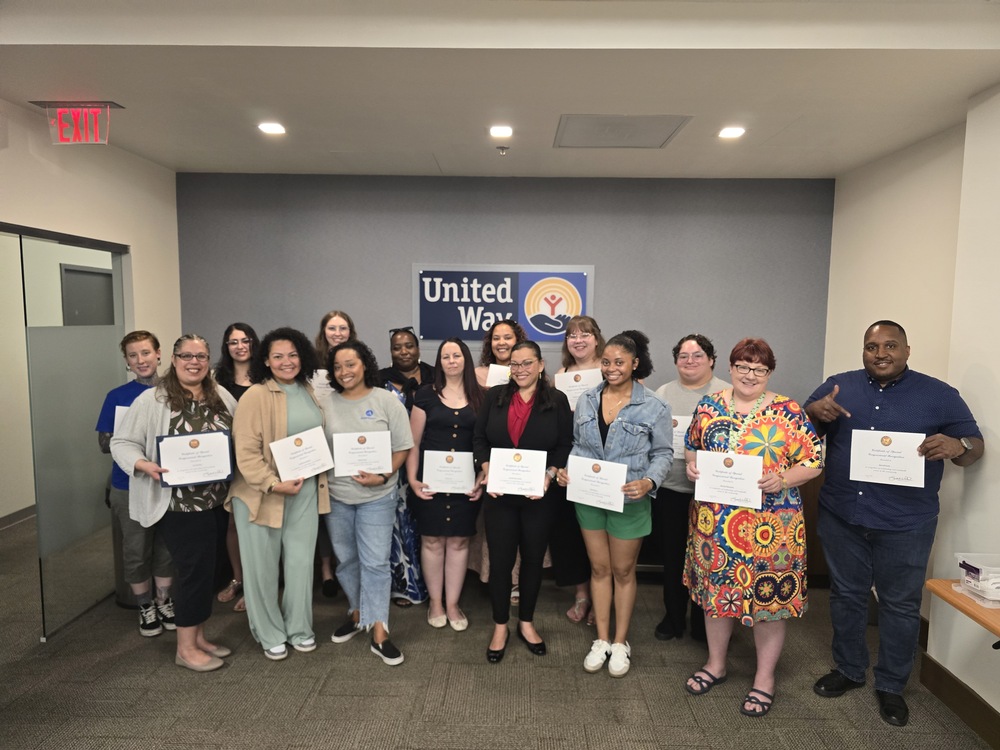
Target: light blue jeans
[{"x": 362, "y": 537}]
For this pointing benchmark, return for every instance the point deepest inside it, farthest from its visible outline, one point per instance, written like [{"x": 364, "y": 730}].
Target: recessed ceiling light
[
  {"x": 501, "y": 131},
  {"x": 732, "y": 132},
  {"x": 272, "y": 128}
]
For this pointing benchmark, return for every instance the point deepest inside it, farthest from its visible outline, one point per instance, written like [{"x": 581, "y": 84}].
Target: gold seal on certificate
[
  {"x": 729, "y": 479},
  {"x": 681, "y": 425},
  {"x": 195, "y": 459},
  {"x": 517, "y": 472},
  {"x": 362, "y": 451},
  {"x": 596, "y": 483},
  {"x": 302, "y": 456},
  {"x": 497, "y": 375},
  {"x": 449, "y": 471},
  {"x": 575, "y": 384},
  {"x": 887, "y": 458}
]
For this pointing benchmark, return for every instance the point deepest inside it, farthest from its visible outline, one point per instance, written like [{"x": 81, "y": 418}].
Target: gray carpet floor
[{"x": 96, "y": 684}]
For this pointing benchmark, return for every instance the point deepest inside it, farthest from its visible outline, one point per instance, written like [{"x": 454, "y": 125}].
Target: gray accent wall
[{"x": 727, "y": 258}]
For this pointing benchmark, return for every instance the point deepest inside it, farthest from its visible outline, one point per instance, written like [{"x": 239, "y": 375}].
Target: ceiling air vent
[{"x": 617, "y": 131}]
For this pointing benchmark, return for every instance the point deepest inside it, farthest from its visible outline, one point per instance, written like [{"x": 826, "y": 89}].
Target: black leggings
[{"x": 514, "y": 522}]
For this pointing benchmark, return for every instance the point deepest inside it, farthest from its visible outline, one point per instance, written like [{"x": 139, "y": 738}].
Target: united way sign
[{"x": 464, "y": 301}]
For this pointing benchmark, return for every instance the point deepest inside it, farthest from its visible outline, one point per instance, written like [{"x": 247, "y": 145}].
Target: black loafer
[
  {"x": 834, "y": 685},
  {"x": 665, "y": 630},
  {"x": 495, "y": 656},
  {"x": 892, "y": 708},
  {"x": 538, "y": 649}
]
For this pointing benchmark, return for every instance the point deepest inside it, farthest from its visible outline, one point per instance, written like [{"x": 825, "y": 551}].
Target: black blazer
[{"x": 550, "y": 430}]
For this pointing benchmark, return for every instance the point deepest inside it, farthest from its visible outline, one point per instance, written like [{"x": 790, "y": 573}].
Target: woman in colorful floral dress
[{"x": 746, "y": 564}]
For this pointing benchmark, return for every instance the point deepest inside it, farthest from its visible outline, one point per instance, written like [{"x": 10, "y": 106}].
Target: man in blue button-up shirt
[{"x": 877, "y": 533}]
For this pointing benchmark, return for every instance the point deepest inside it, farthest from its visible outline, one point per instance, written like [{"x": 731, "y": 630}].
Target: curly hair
[
  {"x": 225, "y": 368},
  {"x": 473, "y": 392},
  {"x": 635, "y": 343},
  {"x": 259, "y": 371},
  {"x": 175, "y": 395},
  {"x": 322, "y": 345},
  {"x": 703, "y": 343},
  {"x": 487, "y": 357},
  {"x": 366, "y": 356},
  {"x": 581, "y": 324}
]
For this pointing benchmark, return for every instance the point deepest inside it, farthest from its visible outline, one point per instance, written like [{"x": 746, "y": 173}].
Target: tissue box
[{"x": 980, "y": 573}]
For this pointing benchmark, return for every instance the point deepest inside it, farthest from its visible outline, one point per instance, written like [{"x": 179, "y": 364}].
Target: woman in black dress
[{"x": 442, "y": 419}]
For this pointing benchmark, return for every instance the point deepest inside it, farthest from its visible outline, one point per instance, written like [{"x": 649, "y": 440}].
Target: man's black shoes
[
  {"x": 892, "y": 708},
  {"x": 834, "y": 685}
]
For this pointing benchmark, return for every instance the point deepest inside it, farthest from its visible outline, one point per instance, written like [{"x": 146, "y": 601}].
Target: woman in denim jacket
[{"x": 624, "y": 422}]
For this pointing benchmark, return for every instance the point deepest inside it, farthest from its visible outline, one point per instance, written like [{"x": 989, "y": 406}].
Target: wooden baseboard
[{"x": 980, "y": 716}]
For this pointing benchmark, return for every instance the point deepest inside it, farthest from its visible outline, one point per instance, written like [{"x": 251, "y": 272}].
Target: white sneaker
[
  {"x": 599, "y": 652},
  {"x": 619, "y": 662},
  {"x": 276, "y": 653},
  {"x": 309, "y": 644}
]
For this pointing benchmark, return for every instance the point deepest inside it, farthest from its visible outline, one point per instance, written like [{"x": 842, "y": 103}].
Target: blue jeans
[
  {"x": 896, "y": 563},
  {"x": 362, "y": 537}
]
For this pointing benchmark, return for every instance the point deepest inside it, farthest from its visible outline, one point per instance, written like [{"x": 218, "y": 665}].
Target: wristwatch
[
  {"x": 385, "y": 478},
  {"x": 966, "y": 443},
  {"x": 551, "y": 472}
]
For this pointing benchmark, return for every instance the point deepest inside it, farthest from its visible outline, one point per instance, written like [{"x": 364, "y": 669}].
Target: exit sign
[{"x": 72, "y": 125}]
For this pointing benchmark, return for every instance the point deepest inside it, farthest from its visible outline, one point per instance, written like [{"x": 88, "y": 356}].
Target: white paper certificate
[
  {"x": 681, "y": 426},
  {"x": 887, "y": 458},
  {"x": 362, "y": 451},
  {"x": 576, "y": 383},
  {"x": 302, "y": 456},
  {"x": 198, "y": 458},
  {"x": 497, "y": 375},
  {"x": 514, "y": 471},
  {"x": 729, "y": 479},
  {"x": 449, "y": 471},
  {"x": 596, "y": 483},
  {"x": 120, "y": 412}
]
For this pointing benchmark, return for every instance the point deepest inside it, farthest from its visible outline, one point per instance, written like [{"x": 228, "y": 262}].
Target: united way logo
[{"x": 549, "y": 304}]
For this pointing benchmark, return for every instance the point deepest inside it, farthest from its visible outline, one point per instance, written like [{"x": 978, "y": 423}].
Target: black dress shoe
[
  {"x": 330, "y": 588},
  {"x": 834, "y": 685},
  {"x": 496, "y": 656},
  {"x": 665, "y": 630},
  {"x": 538, "y": 649},
  {"x": 892, "y": 708}
]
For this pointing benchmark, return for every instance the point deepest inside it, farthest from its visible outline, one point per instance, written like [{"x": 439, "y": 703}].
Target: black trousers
[
  {"x": 190, "y": 538},
  {"x": 516, "y": 523},
  {"x": 671, "y": 514},
  {"x": 569, "y": 554}
]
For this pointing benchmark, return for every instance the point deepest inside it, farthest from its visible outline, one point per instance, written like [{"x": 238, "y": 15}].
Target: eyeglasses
[
  {"x": 238, "y": 342},
  {"x": 522, "y": 365},
  {"x": 693, "y": 357},
  {"x": 188, "y": 356},
  {"x": 760, "y": 372},
  {"x": 579, "y": 336},
  {"x": 394, "y": 331}
]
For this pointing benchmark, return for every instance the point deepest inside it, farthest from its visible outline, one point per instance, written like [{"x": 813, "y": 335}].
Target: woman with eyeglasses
[
  {"x": 402, "y": 379},
  {"x": 443, "y": 415},
  {"x": 525, "y": 413},
  {"x": 232, "y": 372},
  {"x": 278, "y": 518},
  {"x": 624, "y": 422},
  {"x": 581, "y": 350},
  {"x": 744, "y": 564},
  {"x": 186, "y": 401}
]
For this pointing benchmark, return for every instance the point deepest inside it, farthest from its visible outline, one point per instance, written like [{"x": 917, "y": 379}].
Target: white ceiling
[{"x": 411, "y": 88}]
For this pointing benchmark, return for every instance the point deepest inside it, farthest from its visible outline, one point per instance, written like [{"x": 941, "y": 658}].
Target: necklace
[
  {"x": 611, "y": 411},
  {"x": 733, "y": 440}
]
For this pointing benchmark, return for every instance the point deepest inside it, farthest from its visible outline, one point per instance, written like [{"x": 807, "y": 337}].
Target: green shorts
[{"x": 634, "y": 522}]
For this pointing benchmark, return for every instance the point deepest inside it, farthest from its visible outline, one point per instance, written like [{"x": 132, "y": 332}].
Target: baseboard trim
[
  {"x": 17, "y": 516},
  {"x": 979, "y": 715}
]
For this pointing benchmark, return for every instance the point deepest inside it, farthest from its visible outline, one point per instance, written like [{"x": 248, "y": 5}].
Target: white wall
[
  {"x": 97, "y": 192},
  {"x": 912, "y": 235}
]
